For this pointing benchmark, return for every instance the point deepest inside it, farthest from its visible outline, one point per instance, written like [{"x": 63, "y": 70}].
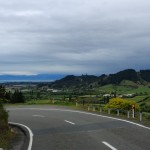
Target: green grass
[
  {"x": 38, "y": 102},
  {"x": 128, "y": 83},
  {"x": 87, "y": 96},
  {"x": 50, "y": 102},
  {"x": 6, "y": 135},
  {"x": 142, "y": 89},
  {"x": 124, "y": 89},
  {"x": 120, "y": 89},
  {"x": 137, "y": 98},
  {"x": 6, "y": 138}
]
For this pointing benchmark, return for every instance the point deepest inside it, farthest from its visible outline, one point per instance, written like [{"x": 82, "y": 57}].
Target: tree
[
  {"x": 3, "y": 118},
  {"x": 38, "y": 95},
  {"x": 8, "y": 96},
  {"x": 17, "y": 97},
  {"x": 2, "y": 92},
  {"x": 70, "y": 97}
]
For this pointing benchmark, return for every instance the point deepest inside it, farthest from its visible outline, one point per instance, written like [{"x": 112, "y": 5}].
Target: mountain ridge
[
  {"x": 72, "y": 81},
  {"x": 61, "y": 81}
]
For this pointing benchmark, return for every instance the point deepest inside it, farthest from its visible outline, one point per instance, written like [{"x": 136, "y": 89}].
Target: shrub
[
  {"x": 3, "y": 118},
  {"x": 119, "y": 103},
  {"x": 6, "y": 135}
]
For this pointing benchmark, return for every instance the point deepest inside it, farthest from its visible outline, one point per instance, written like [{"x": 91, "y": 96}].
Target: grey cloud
[{"x": 73, "y": 36}]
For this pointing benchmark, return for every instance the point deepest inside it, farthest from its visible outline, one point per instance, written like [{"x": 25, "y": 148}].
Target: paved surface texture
[{"x": 54, "y": 128}]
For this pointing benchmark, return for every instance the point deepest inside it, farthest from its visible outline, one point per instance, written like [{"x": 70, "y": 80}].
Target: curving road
[{"x": 57, "y": 128}]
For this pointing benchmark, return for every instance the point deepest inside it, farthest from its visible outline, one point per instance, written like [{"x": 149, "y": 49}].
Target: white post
[
  {"x": 140, "y": 116},
  {"x": 100, "y": 109},
  {"x": 128, "y": 114},
  {"x": 76, "y": 104},
  {"x": 133, "y": 113},
  {"x": 88, "y": 108},
  {"x": 117, "y": 112},
  {"x": 53, "y": 101},
  {"x": 109, "y": 111},
  {"x": 93, "y": 108}
]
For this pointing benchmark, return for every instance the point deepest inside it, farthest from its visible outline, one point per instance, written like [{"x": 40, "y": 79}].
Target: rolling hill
[{"x": 90, "y": 81}]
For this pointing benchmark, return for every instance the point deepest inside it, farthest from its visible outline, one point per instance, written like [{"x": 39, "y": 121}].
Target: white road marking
[
  {"x": 110, "y": 146},
  {"x": 38, "y": 116},
  {"x": 30, "y": 133},
  {"x": 69, "y": 122},
  {"x": 81, "y": 112}
]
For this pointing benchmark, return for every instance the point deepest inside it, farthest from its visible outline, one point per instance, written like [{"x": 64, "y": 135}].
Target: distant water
[{"x": 6, "y": 81}]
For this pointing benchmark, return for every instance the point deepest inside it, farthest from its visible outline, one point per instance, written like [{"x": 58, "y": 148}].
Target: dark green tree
[
  {"x": 8, "y": 96},
  {"x": 2, "y": 92},
  {"x": 38, "y": 95},
  {"x": 17, "y": 97}
]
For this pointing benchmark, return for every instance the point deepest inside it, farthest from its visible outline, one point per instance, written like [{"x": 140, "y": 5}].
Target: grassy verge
[
  {"x": 6, "y": 138},
  {"x": 6, "y": 135}
]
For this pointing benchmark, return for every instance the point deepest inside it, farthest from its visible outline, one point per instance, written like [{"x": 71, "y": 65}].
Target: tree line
[{"x": 11, "y": 97}]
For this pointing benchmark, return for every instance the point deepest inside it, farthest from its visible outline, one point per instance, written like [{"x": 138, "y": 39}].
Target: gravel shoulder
[{"x": 19, "y": 142}]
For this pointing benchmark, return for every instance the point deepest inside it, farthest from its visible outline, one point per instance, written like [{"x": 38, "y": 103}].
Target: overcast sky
[{"x": 74, "y": 36}]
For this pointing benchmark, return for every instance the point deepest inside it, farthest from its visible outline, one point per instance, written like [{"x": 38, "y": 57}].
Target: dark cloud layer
[{"x": 73, "y": 36}]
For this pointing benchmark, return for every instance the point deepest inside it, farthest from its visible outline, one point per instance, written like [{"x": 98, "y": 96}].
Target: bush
[
  {"x": 3, "y": 118},
  {"x": 6, "y": 138},
  {"x": 122, "y": 104},
  {"x": 6, "y": 135},
  {"x": 145, "y": 107}
]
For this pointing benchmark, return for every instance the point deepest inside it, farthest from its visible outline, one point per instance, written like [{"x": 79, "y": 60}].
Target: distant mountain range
[
  {"x": 71, "y": 81},
  {"x": 40, "y": 77}
]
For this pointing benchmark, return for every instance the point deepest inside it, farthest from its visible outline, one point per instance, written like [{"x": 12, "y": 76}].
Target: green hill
[{"x": 127, "y": 78}]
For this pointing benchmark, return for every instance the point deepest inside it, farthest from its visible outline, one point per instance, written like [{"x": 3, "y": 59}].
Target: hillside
[
  {"x": 72, "y": 81},
  {"x": 129, "y": 74},
  {"x": 145, "y": 75},
  {"x": 91, "y": 81}
]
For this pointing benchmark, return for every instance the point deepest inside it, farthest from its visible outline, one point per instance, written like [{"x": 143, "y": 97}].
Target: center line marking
[
  {"x": 38, "y": 116},
  {"x": 110, "y": 146},
  {"x": 69, "y": 122}
]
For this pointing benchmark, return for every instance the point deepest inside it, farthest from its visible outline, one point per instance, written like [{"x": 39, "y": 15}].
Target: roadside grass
[
  {"x": 6, "y": 138},
  {"x": 6, "y": 135},
  {"x": 49, "y": 102},
  {"x": 40, "y": 102}
]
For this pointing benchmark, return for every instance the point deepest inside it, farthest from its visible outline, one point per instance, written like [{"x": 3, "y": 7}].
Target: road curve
[{"x": 57, "y": 128}]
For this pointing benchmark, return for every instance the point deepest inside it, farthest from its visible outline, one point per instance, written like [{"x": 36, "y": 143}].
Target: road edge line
[
  {"x": 123, "y": 120},
  {"x": 30, "y": 133},
  {"x": 84, "y": 112}
]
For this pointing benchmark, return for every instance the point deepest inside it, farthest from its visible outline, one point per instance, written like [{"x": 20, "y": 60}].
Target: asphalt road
[{"x": 57, "y": 128}]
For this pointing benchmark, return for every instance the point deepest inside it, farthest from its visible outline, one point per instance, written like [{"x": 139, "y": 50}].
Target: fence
[{"x": 141, "y": 117}]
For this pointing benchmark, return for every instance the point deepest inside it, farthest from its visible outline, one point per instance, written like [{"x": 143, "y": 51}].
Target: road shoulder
[{"x": 21, "y": 140}]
